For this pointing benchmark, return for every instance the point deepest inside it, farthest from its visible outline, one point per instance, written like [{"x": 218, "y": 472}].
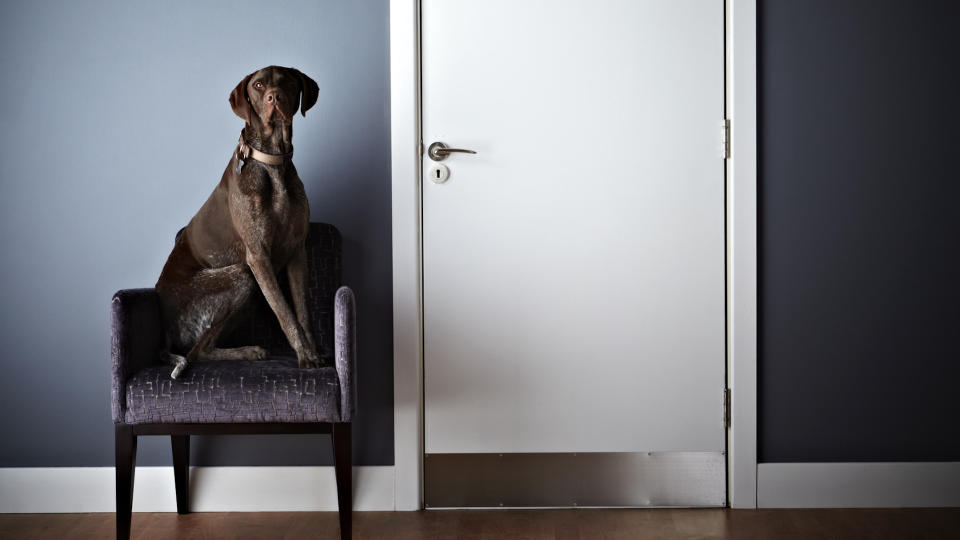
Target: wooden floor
[{"x": 507, "y": 524}]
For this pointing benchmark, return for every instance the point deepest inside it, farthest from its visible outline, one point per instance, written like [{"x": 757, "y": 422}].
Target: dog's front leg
[
  {"x": 297, "y": 276},
  {"x": 262, "y": 269}
]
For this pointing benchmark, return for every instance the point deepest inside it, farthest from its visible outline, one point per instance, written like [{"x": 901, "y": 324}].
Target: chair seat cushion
[{"x": 234, "y": 391}]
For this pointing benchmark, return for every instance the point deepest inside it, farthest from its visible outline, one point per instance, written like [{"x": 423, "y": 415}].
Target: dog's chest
[
  {"x": 280, "y": 203},
  {"x": 286, "y": 211}
]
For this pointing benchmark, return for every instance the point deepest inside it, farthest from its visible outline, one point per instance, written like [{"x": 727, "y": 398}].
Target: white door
[{"x": 574, "y": 266}]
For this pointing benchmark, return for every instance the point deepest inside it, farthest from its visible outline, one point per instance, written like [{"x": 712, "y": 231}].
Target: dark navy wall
[
  {"x": 93, "y": 96},
  {"x": 859, "y": 230}
]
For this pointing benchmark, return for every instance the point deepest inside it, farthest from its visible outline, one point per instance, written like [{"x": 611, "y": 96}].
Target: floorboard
[{"x": 867, "y": 524}]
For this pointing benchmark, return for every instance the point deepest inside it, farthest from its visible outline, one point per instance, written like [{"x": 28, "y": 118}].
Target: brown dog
[{"x": 252, "y": 226}]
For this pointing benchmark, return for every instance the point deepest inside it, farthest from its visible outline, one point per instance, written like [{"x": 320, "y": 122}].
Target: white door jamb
[{"x": 742, "y": 252}]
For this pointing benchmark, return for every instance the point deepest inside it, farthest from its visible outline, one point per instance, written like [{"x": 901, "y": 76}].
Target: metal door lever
[{"x": 439, "y": 151}]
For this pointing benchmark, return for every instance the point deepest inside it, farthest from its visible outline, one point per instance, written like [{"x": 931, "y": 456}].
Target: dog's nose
[{"x": 272, "y": 97}]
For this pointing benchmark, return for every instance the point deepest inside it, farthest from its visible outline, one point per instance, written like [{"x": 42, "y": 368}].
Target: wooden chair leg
[
  {"x": 181, "y": 471},
  {"x": 343, "y": 466},
  {"x": 126, "y": 465}
]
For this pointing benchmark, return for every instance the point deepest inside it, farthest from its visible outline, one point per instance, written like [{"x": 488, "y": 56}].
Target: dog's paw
[
  {"x": 310, "y": 360},
  {"x": 252, "y": 353},
  {"x": 310, "y": 364}
]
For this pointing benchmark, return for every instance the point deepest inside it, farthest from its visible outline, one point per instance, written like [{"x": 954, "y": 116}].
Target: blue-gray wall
[
  {"x": 858, "y": 195},
  {"x": 99, "y": 101}
]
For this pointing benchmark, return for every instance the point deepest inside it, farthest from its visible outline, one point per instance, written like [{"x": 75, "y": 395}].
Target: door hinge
[
  {"x": 725, "y": 137},
  {"x": 726, "y": 407}
]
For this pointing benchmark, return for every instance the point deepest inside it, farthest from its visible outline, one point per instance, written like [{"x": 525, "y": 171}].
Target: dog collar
[{"x": 245, "y": 151}]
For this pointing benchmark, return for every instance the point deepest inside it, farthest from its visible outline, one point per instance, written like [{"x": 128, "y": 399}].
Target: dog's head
[{"x": 273, "y": 94}]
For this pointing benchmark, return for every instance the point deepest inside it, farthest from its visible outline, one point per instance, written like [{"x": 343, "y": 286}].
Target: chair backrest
[{"x": 260, "y": 327}]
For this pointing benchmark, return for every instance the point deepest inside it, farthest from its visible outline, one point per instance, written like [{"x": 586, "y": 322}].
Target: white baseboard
[
  {"x": 212, "y": 489},
  {"x": 858, "y": 485},
  {"x": 271, "y": 489}
]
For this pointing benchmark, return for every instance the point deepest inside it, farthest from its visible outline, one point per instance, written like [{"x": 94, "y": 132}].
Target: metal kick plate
[{"x": 603, "y": 479}]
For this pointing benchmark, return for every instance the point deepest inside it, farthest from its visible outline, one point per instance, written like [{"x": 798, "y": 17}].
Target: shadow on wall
[{"x": 116, "y": 129}]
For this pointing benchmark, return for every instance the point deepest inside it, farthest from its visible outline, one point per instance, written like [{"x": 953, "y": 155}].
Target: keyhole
[{"x": 439, "y": 173}]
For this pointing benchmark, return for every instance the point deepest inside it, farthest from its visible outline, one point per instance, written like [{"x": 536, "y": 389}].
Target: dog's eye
[{"x": 258, "y": 85}]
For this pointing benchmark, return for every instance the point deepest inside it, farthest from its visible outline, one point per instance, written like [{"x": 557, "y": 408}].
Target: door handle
[{"x": 439, "y": 151}]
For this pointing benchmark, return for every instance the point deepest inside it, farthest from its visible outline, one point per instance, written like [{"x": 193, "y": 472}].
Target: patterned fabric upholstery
[
  {"x": 143, "y": 392},
  {"x": 136, "y": 339},
  {"x": 345, "y": 332},
  {"x": 272, "y": 390}
]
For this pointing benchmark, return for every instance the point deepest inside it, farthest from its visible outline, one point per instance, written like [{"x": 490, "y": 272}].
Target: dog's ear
[
  {"x": 309, "y": 90},
  {"x": 238, "y": 99}
]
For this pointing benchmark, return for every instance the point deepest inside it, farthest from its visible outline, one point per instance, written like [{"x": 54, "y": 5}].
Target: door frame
[{"x": 741, "y": 252}]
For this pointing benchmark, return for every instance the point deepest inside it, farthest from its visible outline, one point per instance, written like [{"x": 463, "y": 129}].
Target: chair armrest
[
  {"x": 136, "y": 336},
  {"x": 345, "y": 350}
]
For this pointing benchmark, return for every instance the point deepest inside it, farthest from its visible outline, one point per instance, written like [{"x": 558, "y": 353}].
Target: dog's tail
[
  {"x": 179, "y": 363},
  {"x": 166, "y": 355}
]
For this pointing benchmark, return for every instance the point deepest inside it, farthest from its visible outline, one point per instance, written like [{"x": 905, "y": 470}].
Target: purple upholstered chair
[{"x": 237, "y": 397}]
